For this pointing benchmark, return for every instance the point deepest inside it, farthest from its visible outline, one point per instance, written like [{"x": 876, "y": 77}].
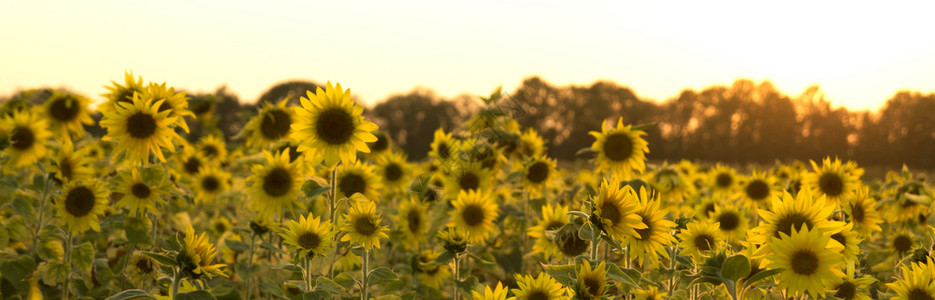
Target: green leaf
[
  {"x": 153, "y": 175},
  {"x": 237, "y": 246},
  {"x": 24, "y": 207},
  {"x": 131, "y": 294},
  {"x": 467, "y": 285},
  {"x": 586, "y": 232},
  {"x": 481, "y": 260},
  {"x": 312, "y": 189},
  {"x": 564, "y": 274},
  {"x": 325, "y": 284},
  {"x": 160, "y": 258},
  {"x": 615, "y": 273},
  {"x": 380, "y": 275},
  {"x": 345, "y": 280},
  {"x": 290, "y": 267},
  {"x": 82, "y": 257},
  {"x": 579, "y": 214},
  {"x": 447, "y": 256},
  {"x": 195, "y": 295},
  {"x": 642, "y": 126},
  {"x": 313, "y": 295},
  {"x": 271, "y": 248},
  {"x": 138, "y": 231},
  {"x": 761, "y": 275},
  {"x": 53, "y": 272},
  {"x": 17, "y": 268},
  {"x": 735, "y": 267}
]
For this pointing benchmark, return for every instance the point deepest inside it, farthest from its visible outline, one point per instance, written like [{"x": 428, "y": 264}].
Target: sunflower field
[{"x": 312, "y": 201}]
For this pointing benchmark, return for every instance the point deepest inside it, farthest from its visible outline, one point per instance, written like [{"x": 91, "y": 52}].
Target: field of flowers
[{"x": 313, "y": 202}]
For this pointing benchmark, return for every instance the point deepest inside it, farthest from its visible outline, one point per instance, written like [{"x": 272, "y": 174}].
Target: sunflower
[
  {"x": 650, "y": 293},
  {"x": 621, "y": 150},
  {"x": 902, "y": 242},
  {"x": 330, "y": 126},
  {"x": 358, "y": 178},
  {"x": 466, "y": 176},
  {"x": 71, "y": 164},
  {"x": 616, "y": 208},
  {"x": 553, "y": 218},
  {"x": 308, "y": 237},
  {"x": 811, "y": 261},
  {"x": 210, "y": 182},
  {"x": 138, "y": 195},
  {"x": 443, "y": 146},
  {"x": 862, "y": 212},
  {"x": 381, "y": 145},
  {"x": 834, "y": 180},
  {"x": 122, "y": 93},
  {"x": 138, "y": 129},
  {"x": 793, "y": 213},
  {"x": 212, "y": 148},
  {"x": 175, "y": 103},
  {"x": 197, "y": 255},
  {"x": 543, "y": 287},
  {"x": 848, "y": 238},
  {"x": 28, "y": 138},
  {"x": 412, "y": 221},
  {"x": 272, "y": 124},
  {"x": 850, "y": 287},
  {"x": 724, "y": 180},
  {"x": 475, "y": 212},
  {"x": 657, "y": 234},
  {"x": 67, "y": 113},
  {"x": 363, "y": 224},
  {"x": 530, "y": 144},
  {"x": 700, "y": 238},
  {"x": 673, "y": 186},
  {"x": 592, "y": 283},
  {"x": 498, "y": 293},
  {"x": 759, "y": 189},
  {"x": 731, "y": 221},
  {"x": 538, "y": 174},
  {"x": 429, "y": 272},
  {"x": 454, "y": 240},
  {"x": 81, "y": 204},
  {"x": 275, "y": 185},
  {"x": 142, "y": 268},
  {"x": 394, "y": 171},
  {"x": 917, "y": 282}
]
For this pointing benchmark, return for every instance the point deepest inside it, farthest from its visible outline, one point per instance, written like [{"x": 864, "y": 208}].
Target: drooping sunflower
[
  {"x": 834, "y": 180},
  {"x": 139, "y": 129},
  {"x": 197, "y": 256},
  {"x": 309, "y": 236},
  {"x": 67, "y": 113},
  {"x": 331, "y": 126},
  {"x": 498, "y": 293},
  {"x": 543, "y": 287},
  {"x": 700, "y": 238},
  {"x": 358, "y": 178},
  {"x": 724, "y": 180},
  {"x": 210, "y": 182},
  {"x": 429, "y": 272},
  {"x": 138, "y": 195},
  {"x": 28, "y": 138},
  {"x": 851, "y": 287},
  {"x": 759, "y": 190},
  {"x": 142, "y": 268},
  {"x": 651, "y": 240},
  {"x": 272, "y": 124},
  {"x": 212, "y": 148},
  {"x": 394, "y": 171},
  {"x": 538, "y": 174},
  {"x": 650, "y": 293},
  {"x": 592, "y": 283},
  {"x": 122, "y": 93},
  {"x": 175, "y": 103},
  {"x": 732, "y": 222},
  {"x": 443, "y": 146},
  {"x": 275, "y": 184},
  {"x": 620, "y": 150},
  {"x": 475, "y": 212},
  {"x": 616, "y": 208},
  {"x": 81, "y": 203},
  {"x": 71, "y": 164},
  {"x": 363, "y": 224},
  {"x": 412, "y": 221},
  {"x": 466, "y": 176},
  {"x": 454, "y": 240},
  {"x": 792, "y": 213},
  {"x": 553, "y": 218},
  {"x": 811, "y": 261},
  {"x": 917, "y": 281}
]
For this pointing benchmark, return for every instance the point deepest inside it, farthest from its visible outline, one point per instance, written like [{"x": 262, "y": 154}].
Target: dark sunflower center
[
  {"x": 277, "y": 183},
  {"x": 618, "y": 147},
  {"x": 80, "y": 201},
  {"x": 757, "y": 190},
  {"x": 334, "y": 126},
  {"x": 381, "y": 144},
  {"x": 141, "y": 125},
  {"x": 708, "y": 209},
  {"x": 569, "y": 243},
  {"x": 192, "y": 165},
  {"x": 804, "y": 262},
  {"x": 704, "y": 242},
  {"x": 724, "y": 180},
  {"x": 144, "y": 265},
  {"x": 610, "y": 211},
  {"x": 473, "y": 215},
  {"x": 415, "y": 220},
  {"x": 275, "y": 124},
  {"x": 364, "y": 226},
  {"x": 210, "y": 150},
  {"x": 65, "y": 168},
  {"x": 795, "y": 219},
  {"x": 554, "y": 225},
  {"x": 593, "y": 285},
  {"x": 220, "y": 227},
  {"x": 857, "y": 212},
  {"x": 729, "y": 221},
  {"x": 392, "y": 172},
  {"x": 918, "y": 293},
  {"x": 902, "y": 243},
  {"x": 22, "y": 138},
  {"x": 840, "y": 238},
  {"x": 469, "y": 181},
  {"x": 140, "y": 190},
  {"x": 309, "y": 240},
  {"x": 645, "y": 233},
  {"x": 538, "y": 172},
  {"x": 443, "y": 151},
  {"x": 210, "y": 183},
  {"x": 831, "y": 184},
  {"x": 537, "y": 295},
  {"x": 352, "y": 183},
  {"x": 64, "y": 109},
  {"x": 846, "y": 290}
]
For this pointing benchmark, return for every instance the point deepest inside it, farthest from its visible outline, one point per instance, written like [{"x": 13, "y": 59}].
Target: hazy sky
[{"x": 860, "y": 54}]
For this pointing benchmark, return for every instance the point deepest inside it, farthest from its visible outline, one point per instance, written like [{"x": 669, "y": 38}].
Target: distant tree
[
  {"x": 292, "y": 90},
  {"x": 410, "y": 120}
]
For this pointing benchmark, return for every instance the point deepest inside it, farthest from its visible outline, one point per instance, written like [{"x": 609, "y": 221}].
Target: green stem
[
  {"x": 333, "y": 207},
  {"x": 457, "y": 296},
  {"x": 366, "y": 268},
  {"x": 248, "y": 286},
  {"x": 155, "y": 231},
  {"x": 308, "y": 274},
  {"x": 67, "y": 264},
  {"x": 176, "y": 282},
  {"x": 522, "y": 262},
  {"x": 42, "y": 202}
]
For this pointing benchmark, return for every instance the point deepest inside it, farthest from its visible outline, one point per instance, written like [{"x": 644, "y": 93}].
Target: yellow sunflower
[
  {"x": 621, "y": 149},
  {"x": 70, "y": 164},
  {"x": 429, "y": 272},
  {"x": 358, "y": 178},
  {"x": 592, "y": 283},
  {"x": 81, "y": 204},
  {"x": 363, "y": 224},
  {"x": 650, "y": 293},
  {"x": 412, "y": 222},
  {"x": 848, "y": 238},
  {"x": 308, "y": 237},
  {"x": 138, "y": 195},
  {"x": 67, "y": 113},
  {"x": 467, "y": 176},
  {"x": 272, "y": 124},
  {"x": 530, "y": 144},
  {"x": 901, "y": 242},
  {"x": 917, "y": 281},
  {"x": 142, "y": 268},
  {"x": 454, "y": 240},
  {"x": 553, "y": 218},
  {"x": 210, "y": 182},
  {"x": 724, "y": 180},
  {"x": 212, "y": 148},
  {"x": 122, "y": 93},
  {"x": 616, "y": 207},
  {"x": 197, "y": 255},
  {"x": 700, "y": 238},
  {"x": 498, "y": 293},
  {"x": 175, "y": 103},
  {"x": 793, "y": 213},
  {"x": 394, "y": 171},
  {"x": 138, "y": 129},
  {"x": 381, "y": 145},
  {"x": 651, "y": 240},
  {"x": 834, "y": 180},
  {"x": 811, "y": 261},
  {"x": 759, "y": 190},
  {"x": 28, "y": 138},
  {"x": 330, "y": 126},
  {"x": 538, "y": 174},
  {"x": 862, "y": 212},
  {"x": 275, "y": 184},
  {"x": 475, "y": 212},
  {"x": 851, "y": 287},
  {"x": 732, "y": 222},
  {"x": 543, "y": 287},
  {"x": 443, "y": 146},
  {"x": 672, "y": 185}
]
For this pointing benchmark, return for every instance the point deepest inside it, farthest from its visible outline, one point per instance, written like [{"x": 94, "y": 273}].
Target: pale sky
[{"x": 860, "y": 54}]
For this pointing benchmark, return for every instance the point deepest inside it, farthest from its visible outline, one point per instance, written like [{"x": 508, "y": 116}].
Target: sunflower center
[
  {"x": 364, "y": 226},
  {"x": 192, "y": 165},
  {"x": 80, "y": 201},
  {"x": 469, "y": 181},
  {"x": 554, "y": 225},
  {"x": 569, "y": 243},
  {"x": 140, "y": 190},
  {"x": 64, "y": 109},
  {"x": 65, "y": 168},
  {"x": 443, "y": 151},
  {"x": 141, "y": 125},
  {"x": 381, "y": 144},
  {"x": 729, "y": 221},
  {"x": 857, "y": 212},
  {"x": 144, "y": 265},
  {"x": 618, "y": 147},
  {"x": 919, "y": 294},
  {"x": 804, "y": 262},
  {"x": 275, "y": 124},
  {"x": 704, "y": 242},
  {"x": 210, "y": 150},
  {"x": 309, "y": 240},
  {"x": 22, "y": 138},
  {"x": 791, "y": 220},
  {"x": 352, "y": 183},
  {"x": 220, "y": 227},
  {"x": 538, "y": 172},
  {"x": 210, "y": 183},
  {"x": 840, "y": 238},
  {"x": 902, "y": 243},
  {"x": 846, "y": 290},
  {"x": 645, "y": 233},
  {"x": 415, "y": 220},
  {"x": 724, "y": 180},
  {"x": 537, "y": 295},
  {"x": 611, "y": 212},
  {"x": 708, "y": 209},
  {"x": 473, "y": 215},
  {"x": 757, "y": 190},
  {"x": 593, "y": 285},
  {"x": 831, "y": 184},
  {"x": 392, "y": 172},
  {"x": 277, "y": 183},
  {"x": 335, "y": 126}
]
